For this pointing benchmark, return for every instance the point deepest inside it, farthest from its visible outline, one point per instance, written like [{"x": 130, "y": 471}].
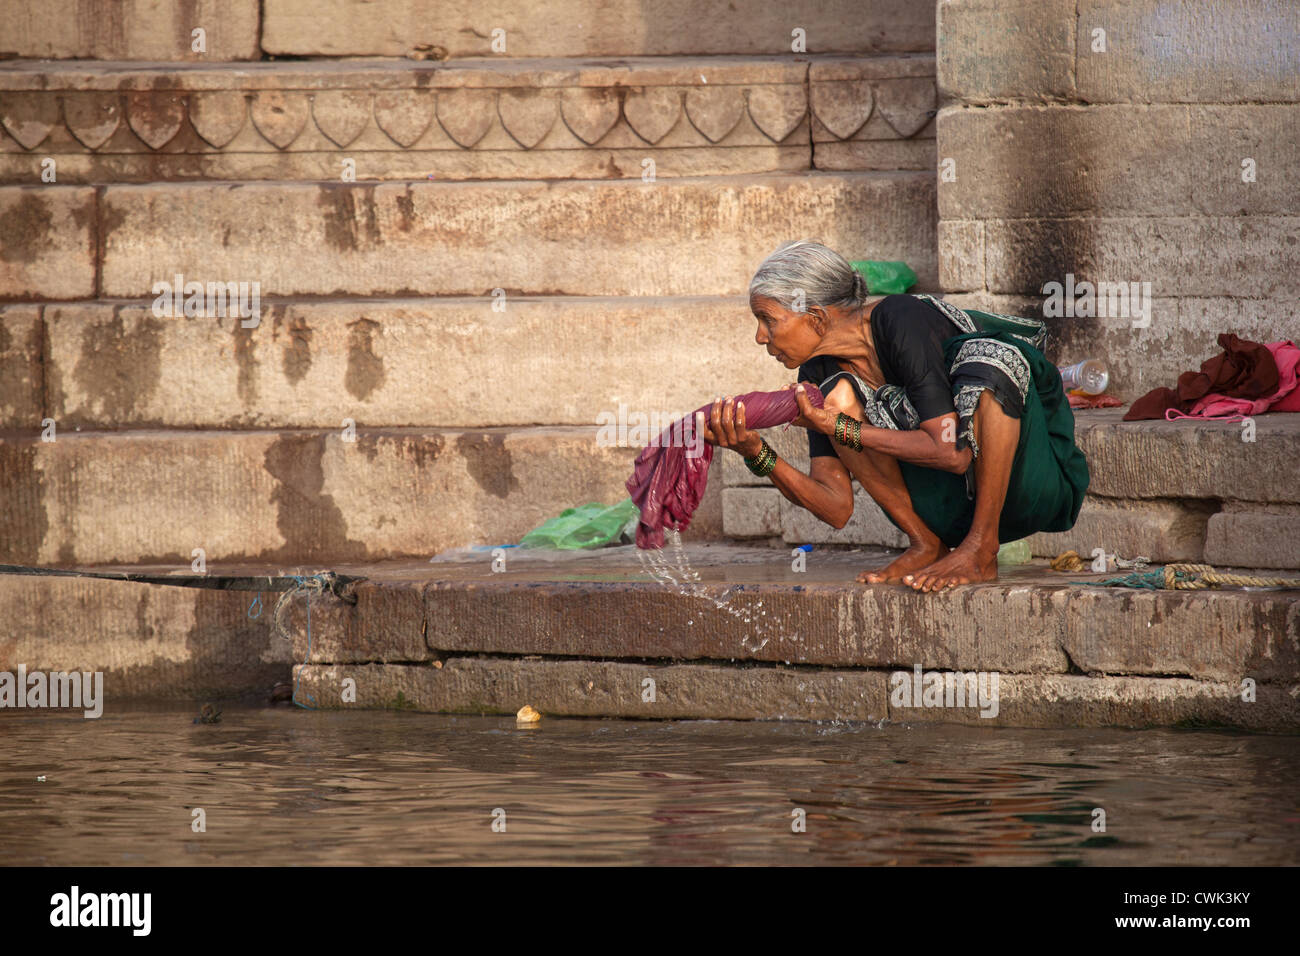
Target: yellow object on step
[{"x": 1068, "y": 561}]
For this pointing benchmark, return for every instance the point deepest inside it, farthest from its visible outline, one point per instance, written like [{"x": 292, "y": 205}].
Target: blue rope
[
  {"x": 1143, "y": 580},
  {"x": 301, "y": 584}
]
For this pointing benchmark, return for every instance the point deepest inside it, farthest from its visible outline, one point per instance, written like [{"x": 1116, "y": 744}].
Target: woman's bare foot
[
  {"x": 964, "y": 565},
  {"x": 919, "y": 555}
]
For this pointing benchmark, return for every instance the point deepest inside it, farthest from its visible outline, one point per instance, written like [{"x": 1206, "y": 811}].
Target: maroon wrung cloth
[
  {"x": 667, "y": 484},
  {"x": 1245, "y": 370}
]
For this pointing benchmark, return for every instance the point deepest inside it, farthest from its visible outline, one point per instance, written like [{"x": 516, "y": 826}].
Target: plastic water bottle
[{"x": 1089, "y": 376}]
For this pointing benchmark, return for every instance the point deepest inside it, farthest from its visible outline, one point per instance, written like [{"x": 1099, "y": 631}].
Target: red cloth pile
[
  {"x": 667, "y": 483},
  {"x": 1093, "y": 401},
  {"x": 1247, "y": 379}
]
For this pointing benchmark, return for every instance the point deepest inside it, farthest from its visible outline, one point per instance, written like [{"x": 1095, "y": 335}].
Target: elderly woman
[{"x": 952, "y": 420}]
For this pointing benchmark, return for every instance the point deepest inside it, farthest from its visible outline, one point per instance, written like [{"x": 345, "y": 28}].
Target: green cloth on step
[{"x": 591, "y": 525}]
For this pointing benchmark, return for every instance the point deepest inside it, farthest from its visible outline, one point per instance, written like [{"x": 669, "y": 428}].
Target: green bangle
[
  {"x": 848, "y": 431},
  {"x": 764, "y": 462}
]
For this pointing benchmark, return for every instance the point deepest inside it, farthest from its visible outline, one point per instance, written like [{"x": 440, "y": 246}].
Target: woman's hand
[
  {"x": 818, "y": 419},
  {"x": 725, "y": 428}
]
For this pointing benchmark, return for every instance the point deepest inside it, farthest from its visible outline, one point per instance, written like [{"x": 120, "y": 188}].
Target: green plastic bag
[
  {"x": 885, "y": 278},
  {"x": 587, "y": 526},
  {"x": 1014, "y": 553}
]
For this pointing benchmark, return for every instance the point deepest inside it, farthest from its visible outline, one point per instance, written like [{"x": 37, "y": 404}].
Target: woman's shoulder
[
  {"x": 906, "y": 316},
  {"x": 898, "y": 306}
]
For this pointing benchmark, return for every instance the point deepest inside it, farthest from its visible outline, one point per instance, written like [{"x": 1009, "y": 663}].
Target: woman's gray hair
[{"x": 822, "y": 275}]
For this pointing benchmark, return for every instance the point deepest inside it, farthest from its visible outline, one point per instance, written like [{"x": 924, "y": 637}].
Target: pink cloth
[
  {"x": 1285, "y": 399},
  {"x": 667, "y": 483}
]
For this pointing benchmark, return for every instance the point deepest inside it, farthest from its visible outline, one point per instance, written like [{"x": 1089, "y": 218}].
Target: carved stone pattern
[{"x": 466, "y": 115}]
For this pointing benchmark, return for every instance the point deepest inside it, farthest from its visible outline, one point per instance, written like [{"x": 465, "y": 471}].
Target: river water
[{"x": 286, "y": 786}]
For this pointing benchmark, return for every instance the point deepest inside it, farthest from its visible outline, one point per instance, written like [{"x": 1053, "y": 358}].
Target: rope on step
[
  {"x": 1191, "y": 577},
  {"x": 308, "y": 584},
  {"x": 1194, "y": 577}
]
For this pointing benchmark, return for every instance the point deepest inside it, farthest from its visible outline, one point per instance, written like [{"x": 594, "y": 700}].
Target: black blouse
[{"x": 908, "y": 334}]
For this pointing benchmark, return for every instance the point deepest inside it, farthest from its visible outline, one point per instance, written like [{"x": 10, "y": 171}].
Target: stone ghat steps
[
  {"x": 748, "y": 641},
  {"x": 280, "y": 495},
  {"x": 614, "y": 237},
  {"x": 749, "y": 638},
  {"x": 1171, "y": 491},
  {"x": 249, "y": 29},
  {"x": 426, "y": 361},
  {"x": 466, "y": 119}
]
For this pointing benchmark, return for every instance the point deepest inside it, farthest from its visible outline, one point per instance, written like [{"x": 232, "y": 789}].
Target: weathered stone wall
[{"x": 1120, "y": 141}]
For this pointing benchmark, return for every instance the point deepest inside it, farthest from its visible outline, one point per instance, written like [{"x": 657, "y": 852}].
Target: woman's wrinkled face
[{"x": 789, "y": 337}]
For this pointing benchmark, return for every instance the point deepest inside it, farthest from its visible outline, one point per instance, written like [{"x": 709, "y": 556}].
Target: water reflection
[{"x": 284, "y": 786}]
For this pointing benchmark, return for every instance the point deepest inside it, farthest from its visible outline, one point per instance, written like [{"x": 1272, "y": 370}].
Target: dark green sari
[{"x": 1049, "y": 474}]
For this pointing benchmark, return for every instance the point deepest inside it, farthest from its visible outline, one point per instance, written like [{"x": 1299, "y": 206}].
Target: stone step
[
  {"x": 315, "y": 495},
  {"x": 131, "y": 30},
  {"x": 1175, "y": 168},
  {"x": 609, "y": 237},
  {"x": 448, "y": 362},
  {"x": 297, "y": 495},
  {"x": 495, "y": 118},
  {"x": 1170, "y": 491},
  {"x": 745, "y": 636},
  {"x": 810, "y": 644},
  {"x": 150, "y": 642},
  {"x": 1183, "y": 332},
  {"x": 1144, "y": 460},
  {"x": 1219, "y": 51},
  {"x": 602, "y": 688},
  {"x": 591, "y": 27},
  {"x": 430, "y": 29}
]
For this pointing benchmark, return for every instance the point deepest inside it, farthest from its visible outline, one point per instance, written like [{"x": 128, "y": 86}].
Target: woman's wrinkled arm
[
  {"x": 826, "y": 491},
  {"x": 933, "y": 445}
]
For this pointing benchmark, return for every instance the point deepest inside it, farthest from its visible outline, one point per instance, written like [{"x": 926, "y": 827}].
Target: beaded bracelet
[
  {"x": 848, "y": 431},
  {"x": 764, "y": 462}
]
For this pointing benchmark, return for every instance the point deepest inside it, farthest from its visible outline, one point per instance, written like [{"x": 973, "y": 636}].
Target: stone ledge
[
  {"x": 130, "y": 29},
  {"x": 490, "y": 119},
  {"x": 1162, "y": 531},
  {"x": 1005, "y": 626},
  {"x": 756, "y": 628},
  {"x": 751, "y": 512},
  {"x": 1183, "y": 331},
  {"x": 166, "y": 643},
  {"x": 1195, "y": 256},
  {"x": 1253, "y": 539},
  {"x": 1177, "y": 167},
  {"x": 295, "y": 495},
  {"x": 465, "y": 239},
  {"x": 1143, "y": 460},
  {"x": 606, "y": 689},
  {"x": 700, "y": 691},
  {"x": 581, "y": 28},
  {"x": 1218, "y": 51},
  {"x": 313, "y": 364}
]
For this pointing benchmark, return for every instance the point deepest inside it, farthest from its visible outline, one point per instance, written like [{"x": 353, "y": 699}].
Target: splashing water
[{"x": 676, "y": 573}]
